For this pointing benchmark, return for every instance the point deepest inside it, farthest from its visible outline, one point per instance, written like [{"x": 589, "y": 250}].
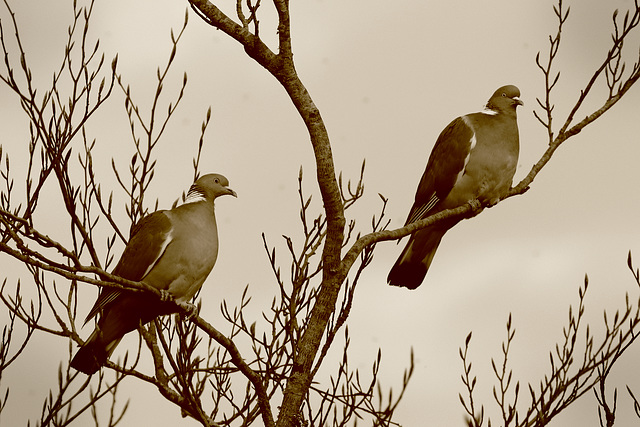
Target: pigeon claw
[{"x": 165, "y": 296}]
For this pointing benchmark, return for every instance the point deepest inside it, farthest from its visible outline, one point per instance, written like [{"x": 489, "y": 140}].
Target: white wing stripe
[
  {"x": 167, "y": 240},
  {"x": 474, "y": 141},
  {"x": 422, "y": 212}
]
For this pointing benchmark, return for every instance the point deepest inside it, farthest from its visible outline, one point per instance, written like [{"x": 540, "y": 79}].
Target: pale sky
[{"x": 387, "y": 77}]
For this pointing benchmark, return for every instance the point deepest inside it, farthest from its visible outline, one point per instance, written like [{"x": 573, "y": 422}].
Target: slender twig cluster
[
  {"x": 577, "y": 365},
  {"x": 59, "y": 118},
  {"x": 264, "y": 369}
]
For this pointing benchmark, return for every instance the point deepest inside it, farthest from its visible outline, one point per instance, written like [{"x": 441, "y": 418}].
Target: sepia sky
[{"x": 387, "y": 78}]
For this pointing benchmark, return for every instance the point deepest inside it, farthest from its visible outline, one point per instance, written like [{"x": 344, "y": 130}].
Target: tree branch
[{"x": 238, "y": 361}]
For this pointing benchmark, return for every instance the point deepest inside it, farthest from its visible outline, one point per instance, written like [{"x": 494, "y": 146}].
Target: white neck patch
[
  {"x": 194, "y": 198},
  {"x": 194, "y": 195},
  {"x": 489, "y": 112}
]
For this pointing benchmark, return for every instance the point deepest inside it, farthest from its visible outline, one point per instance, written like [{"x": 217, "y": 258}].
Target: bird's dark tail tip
[
  {"x": 407, "y": 274},
  {"x": 90, "y": 358}
]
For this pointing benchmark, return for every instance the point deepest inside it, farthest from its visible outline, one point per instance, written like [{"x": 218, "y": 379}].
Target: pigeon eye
[
  {"x": 504, "y": 94},
  {"x": 217, "y": 181}
]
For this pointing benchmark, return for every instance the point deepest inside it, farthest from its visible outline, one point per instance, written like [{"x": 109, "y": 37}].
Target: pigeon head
[
  {"x": 209, "y": 187},
  {"x": 505, "y": 99}
]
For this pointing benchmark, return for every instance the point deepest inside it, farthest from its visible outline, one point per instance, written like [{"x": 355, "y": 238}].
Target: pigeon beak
[
  {"x": 231, "y": 192},
  {"x": 518, "y": 100}
]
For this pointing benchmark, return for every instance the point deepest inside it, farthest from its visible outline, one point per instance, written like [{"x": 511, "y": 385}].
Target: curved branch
[
  {"x": 237, "y": 359},
  {"x": 520, "y": 188},
  {"x": 107, "y": 280},
  {"x": 282, "y": 67},
  {"x": 612, "y": 54},
  {"x": 253, "y": 45},
  {"x": 468, "y": 210}
]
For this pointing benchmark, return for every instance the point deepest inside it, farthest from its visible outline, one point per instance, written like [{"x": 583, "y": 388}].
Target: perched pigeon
[
  {"x": 171, "y": 250},
  {"x": 474, "y": 158}
]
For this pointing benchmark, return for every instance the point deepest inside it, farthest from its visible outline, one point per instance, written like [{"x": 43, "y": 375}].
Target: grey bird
[
  {"x": 474, "y": 157},
  {"x": 172, "y": 250}
]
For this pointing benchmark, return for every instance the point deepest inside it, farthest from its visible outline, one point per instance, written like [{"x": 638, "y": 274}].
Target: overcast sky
[{"x": 387, "y": 77}]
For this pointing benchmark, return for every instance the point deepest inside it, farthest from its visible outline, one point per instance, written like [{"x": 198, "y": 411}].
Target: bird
[
  {"x": 171, "y": 250},
  {"x": 475, "y": 157}
]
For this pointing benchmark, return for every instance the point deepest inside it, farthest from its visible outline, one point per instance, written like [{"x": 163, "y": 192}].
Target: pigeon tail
[
  {"x": 412, "y": 265},
  {"x": 93, "y": 355}
]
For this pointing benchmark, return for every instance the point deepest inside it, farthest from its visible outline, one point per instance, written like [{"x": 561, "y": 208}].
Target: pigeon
[
  {"x": 475, "y": 157},
  {"x": 173, "y": 251}
]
